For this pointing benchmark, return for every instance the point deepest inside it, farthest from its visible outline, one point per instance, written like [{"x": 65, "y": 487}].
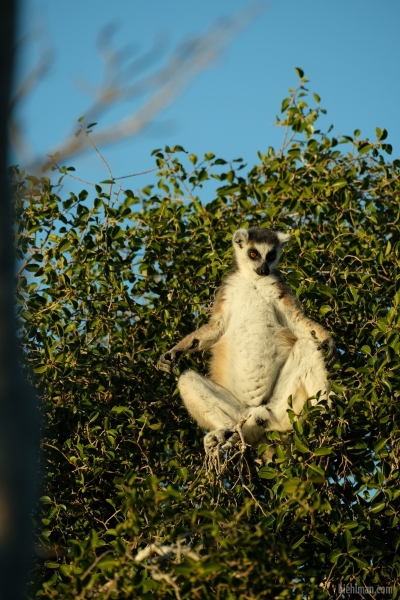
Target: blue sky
[{"x": 349, "y": 50}]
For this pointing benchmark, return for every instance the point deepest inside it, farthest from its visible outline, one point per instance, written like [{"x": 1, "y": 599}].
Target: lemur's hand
[
  {"x": 329, "y": 349},
  {"x": 166, "y": 361}
]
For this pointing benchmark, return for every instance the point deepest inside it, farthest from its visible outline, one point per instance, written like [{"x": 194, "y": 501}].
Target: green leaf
[
  {"x": 339, "y": 183},
  {"x": 316, "y": 469},
  {"x": 64, "y": 245},
  {"x": 45, "y": 500},
  {"x": 350, "y": 524},
  {"x": 298, "y": 542},
  {"x": 334, "y": 555},
  {"x": 201, "y": 271},
  {"x": 323, "y": 451},
  {"x": 361, "y": 562},
  {"x": 298, "y": 427},
  {"x": 364, "y": 148},
  {"x": 273, "y": 435},
  {"x": 106, "y": 563},
  {"x": 290, "y": 485},
  {"x": 378, "y": 507},
  {"x": 380, "y": 444},
  {"x": 299, "y": 444},
  {"x": 266, "y": 473},
  {"x": 321, "y": 537},
  {"x": 261, "y": 449}
]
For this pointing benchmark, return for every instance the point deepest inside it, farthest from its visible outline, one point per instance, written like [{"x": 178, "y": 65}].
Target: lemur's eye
[
  {"x": 253, "y": 254},
  {"x": 271, "y": 256}
]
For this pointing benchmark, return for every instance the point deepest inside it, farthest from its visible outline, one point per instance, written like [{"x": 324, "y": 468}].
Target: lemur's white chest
[{"x": 250, "y": 353}]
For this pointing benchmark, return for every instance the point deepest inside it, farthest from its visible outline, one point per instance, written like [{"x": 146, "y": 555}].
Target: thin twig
[
  {"x": 97, "y": 150},
  {"x": 145, "y": 172}
]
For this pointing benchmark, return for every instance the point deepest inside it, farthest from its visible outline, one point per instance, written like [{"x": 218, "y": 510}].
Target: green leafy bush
[{"x": 110, "y": 280}]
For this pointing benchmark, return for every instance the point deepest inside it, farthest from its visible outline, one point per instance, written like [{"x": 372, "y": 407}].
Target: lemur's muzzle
[{"x": 263, "y": 270}]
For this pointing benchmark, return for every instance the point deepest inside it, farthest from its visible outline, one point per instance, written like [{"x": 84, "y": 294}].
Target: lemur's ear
[
  {"x": 240, "y": 237},
  {"x": 283, "y": 238}
]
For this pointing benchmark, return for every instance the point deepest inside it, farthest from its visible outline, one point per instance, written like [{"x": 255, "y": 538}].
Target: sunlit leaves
[{"x": 111, "y": 279}]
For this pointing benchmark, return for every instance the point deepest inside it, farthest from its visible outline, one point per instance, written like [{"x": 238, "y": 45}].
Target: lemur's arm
[
  {"x": 301, "y": 326},
  {"x": 201, "y": 339}
]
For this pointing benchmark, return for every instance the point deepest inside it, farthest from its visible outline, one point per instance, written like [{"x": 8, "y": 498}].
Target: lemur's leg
[
  {"x": 214, "y": 408},
  {"x": 303, "y": 375}
]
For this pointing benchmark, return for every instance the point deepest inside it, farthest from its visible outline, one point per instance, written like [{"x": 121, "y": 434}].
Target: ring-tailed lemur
[{"x": 264, "y": 349}]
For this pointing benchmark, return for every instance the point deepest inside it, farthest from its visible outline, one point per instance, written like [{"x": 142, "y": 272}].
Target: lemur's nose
[{"x": 263, "y": 270}]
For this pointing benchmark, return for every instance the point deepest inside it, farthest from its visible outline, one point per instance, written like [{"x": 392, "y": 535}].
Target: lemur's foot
[
  {"x": 231, "y": 442},
  {"x": 219, "y": 437},
  {"x": 167, "y": 360}
]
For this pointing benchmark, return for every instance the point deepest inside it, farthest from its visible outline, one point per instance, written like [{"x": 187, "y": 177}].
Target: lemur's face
[
  {"x": 263, "y": 258},
  {"x": 257, "y": 250}
]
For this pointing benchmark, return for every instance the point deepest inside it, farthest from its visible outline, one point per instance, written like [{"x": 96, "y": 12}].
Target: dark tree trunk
[{"x": 18, "y": 415}]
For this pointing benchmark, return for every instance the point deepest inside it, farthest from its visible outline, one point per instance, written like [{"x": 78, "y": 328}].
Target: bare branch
[{"x": 162, "y": 87}]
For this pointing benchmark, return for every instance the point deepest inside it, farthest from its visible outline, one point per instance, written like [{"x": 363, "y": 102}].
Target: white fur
[{"x": 252, "y": 334}]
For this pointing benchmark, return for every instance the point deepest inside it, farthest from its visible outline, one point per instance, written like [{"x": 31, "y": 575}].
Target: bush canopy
[{"x": 110, "y": 279}]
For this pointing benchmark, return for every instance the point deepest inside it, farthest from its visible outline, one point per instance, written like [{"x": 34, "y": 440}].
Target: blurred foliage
[{"x": 111, "y": 280}]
